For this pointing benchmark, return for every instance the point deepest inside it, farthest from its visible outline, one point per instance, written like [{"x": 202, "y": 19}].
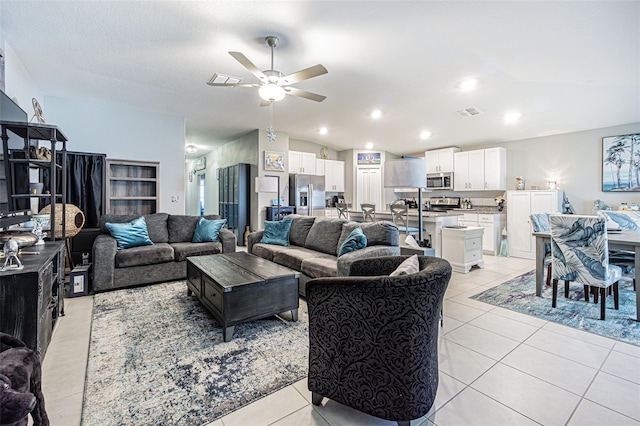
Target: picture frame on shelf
[
  {"x": 274, "y": 161},
  {"x": 619, "y": 172}
]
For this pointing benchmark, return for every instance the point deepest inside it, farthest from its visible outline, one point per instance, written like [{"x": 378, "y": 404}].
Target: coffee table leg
[
  {"x": 294, "y": 314},
  {"x": 189, "y": 291},
  {"x": 227, "y": 333}
]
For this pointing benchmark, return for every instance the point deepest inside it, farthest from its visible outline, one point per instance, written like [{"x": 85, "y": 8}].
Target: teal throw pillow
[
  {"x": 130, "y": 234},
  {"x": 355, "y": 241},
  {"x": 208, "y": 230},
  {"x": 276, "y": 232}
]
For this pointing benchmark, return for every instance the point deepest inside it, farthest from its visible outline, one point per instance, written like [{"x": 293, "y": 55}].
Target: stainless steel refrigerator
[{"x": 306, "y": 193}]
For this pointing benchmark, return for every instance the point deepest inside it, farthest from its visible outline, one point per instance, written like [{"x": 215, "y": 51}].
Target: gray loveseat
[
  {"x": 163, "y": 261},
  {"x": 315, "y": 242}
]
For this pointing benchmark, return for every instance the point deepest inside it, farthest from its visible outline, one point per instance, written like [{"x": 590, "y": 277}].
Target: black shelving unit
[
  {"x": 13, "y": 160},
  {"x": 233, "y": 197}
]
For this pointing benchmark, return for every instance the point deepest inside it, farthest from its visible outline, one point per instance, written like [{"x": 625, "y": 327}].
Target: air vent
[
  {"x": 469, "y": 112},
  {"x": 223, "y": 79}
]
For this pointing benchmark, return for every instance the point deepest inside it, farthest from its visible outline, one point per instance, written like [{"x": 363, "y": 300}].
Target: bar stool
[
  {"x": 342, "y": 211},
  {"x": 368, "y": 212}
]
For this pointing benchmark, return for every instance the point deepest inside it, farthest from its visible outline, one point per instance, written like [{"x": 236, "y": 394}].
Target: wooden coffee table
[{"x": 241, "y": 287}]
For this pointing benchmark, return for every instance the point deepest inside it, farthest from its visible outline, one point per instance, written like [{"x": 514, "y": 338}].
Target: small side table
[{"x": 79, "y": 281}]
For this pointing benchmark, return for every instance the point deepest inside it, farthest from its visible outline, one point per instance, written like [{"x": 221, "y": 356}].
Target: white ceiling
[{"x": 565, "y": 65}]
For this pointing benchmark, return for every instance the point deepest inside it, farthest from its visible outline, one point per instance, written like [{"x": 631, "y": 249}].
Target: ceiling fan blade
[
  {"x": 304, "y": 74},
  {"x": 304, "y": 94},
  {"x": 249, "y": 65},
  {"x": 232, "y": 85},
  {"x": 264, "y": 103}
]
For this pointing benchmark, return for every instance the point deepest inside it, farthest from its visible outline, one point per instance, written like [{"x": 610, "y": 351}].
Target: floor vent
[{"x": 469, "y": 112}]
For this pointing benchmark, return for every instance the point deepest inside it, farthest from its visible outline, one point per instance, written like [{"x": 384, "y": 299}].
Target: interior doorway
[{"x": 201, "y": 180}]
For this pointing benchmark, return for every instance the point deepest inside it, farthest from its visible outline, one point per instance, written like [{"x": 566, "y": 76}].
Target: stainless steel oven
[{"x": 440, "y": 180}]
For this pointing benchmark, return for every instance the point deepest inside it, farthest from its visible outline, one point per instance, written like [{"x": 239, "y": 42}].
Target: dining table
[{"x": 625, "y": 239}]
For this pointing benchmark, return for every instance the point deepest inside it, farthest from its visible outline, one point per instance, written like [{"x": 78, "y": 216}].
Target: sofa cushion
[
  {"x": 293, "y": 257},
  {"x": 355, "y": 241},
  {"x": 130, "y": 234},
  {"x": 381, "y": 233},
  {"x": 320, "y": 266},
  {"x": 208, "y": 230},
  {"x": 300, "y": 228},
  {"x": 276, "y": 232},
  {"x": 183, "y": 250},
  {"x": 156, "y": 224},
  {"x": 144, "y": 255},
  {"x": 181, "y": 227},
  {"x": 324, "y": 235},
  {"x": 267, "y": 251}
]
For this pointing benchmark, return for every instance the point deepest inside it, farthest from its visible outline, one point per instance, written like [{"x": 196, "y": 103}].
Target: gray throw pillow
[
  {"x": 300, "y": 228},
  {"x": 408, "y": 267},
  {"x": 324, "y": 235}
]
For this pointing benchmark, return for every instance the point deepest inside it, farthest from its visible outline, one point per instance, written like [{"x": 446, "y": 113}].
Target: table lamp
[{"x": 410, "y": 172}]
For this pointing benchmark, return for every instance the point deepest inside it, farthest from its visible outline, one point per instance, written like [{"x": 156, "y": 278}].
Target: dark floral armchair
[{"x": 373, "y": 339}]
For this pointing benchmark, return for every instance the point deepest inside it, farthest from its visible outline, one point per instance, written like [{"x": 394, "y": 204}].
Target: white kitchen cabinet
[
  {"x": 320, "y": 167},
  {"x": 462, "y": 247},
  {"x": 334, "y": 176},
  {"x": 468, "y": 172},
  {"x": 520, "y": 205},
  {"x": 440, "y": 160},
  {"x": 495, "y": 169},
  {"x": 302, "y": 162},
  {"x": 492, "y": 223},
  {"x": 480, "y": 170}
]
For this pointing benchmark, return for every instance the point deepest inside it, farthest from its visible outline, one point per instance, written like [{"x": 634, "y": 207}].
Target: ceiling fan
[{"x": 273, "y": 84}]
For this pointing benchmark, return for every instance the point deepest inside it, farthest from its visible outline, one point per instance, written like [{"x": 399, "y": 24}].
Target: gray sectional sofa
[
  {"x": 163, "y": 261},
  {"x": 315, "y": 243}
]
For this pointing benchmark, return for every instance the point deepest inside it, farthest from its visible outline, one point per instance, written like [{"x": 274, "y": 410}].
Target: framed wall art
[
  {"x": 274, "y": 161},
  {"x": 621, "y": 163},
  {"x": 369, "y": 158}
]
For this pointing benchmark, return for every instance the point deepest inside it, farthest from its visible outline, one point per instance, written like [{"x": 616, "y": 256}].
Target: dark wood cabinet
[
  {"x": 272, "y": 212},
  {"x": 32, "y": 299},
  {"x": 233, "y": 197}
]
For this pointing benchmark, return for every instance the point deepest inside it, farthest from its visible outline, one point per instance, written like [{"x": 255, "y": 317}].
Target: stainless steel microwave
[{"x": 440, "y": 180}]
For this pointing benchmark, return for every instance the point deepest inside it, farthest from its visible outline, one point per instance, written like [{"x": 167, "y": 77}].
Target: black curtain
[{"x": 85, "y": 184}]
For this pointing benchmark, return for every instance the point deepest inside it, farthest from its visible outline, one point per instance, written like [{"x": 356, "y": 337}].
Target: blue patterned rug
[
  {"x": 156, "y": 357},
  {"x": 519, "y": 294}
]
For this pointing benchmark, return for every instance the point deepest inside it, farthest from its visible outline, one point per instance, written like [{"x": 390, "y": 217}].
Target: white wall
[
  {"x": 19, "y": 85},
  {"x": 126, "y": 133}
]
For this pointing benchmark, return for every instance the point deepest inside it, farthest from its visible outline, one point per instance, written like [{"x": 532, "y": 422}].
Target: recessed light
[
  {"x": 369, "y": 145},
  {"x": 512, "y": 117},
  {"x": 375, "y": 114},
  {"x": 468, "y": 84},
  {"x": 425, "y": 135},
  {"x": 323, "y": 130}
]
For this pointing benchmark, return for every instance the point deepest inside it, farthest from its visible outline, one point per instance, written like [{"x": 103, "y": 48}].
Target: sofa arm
[
  {"x": 254, "y": 238},
  {"x": 345, "y": 261},
  {"x": 228, "y": 240},
  {"x": 104, "y": 261}
]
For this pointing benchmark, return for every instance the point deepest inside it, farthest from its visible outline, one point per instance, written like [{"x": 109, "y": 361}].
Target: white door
[
  {"x": 519, "y": 225},
  {"x": 334, "y": 172},
  {"x": 445, "y": 159},
  {"x": 544, "y": 202},
  {"x": 320, "y": 169},
  {"x": 308, "y": 163},
  {"x": 369, "y": 187},
  {"x": 433, "y": 162},
  {"x": 295, "y": 162}
]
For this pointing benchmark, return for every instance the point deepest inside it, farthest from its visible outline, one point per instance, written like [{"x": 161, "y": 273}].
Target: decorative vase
[{"x": 245, "y": 237}]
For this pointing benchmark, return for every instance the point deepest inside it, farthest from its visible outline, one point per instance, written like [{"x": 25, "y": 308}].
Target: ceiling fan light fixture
[
  {"x": 191, "y": 149},
  {"x": 271, "y": 92}
]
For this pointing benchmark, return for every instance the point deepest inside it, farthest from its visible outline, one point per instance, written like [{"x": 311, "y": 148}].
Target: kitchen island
[{"x": 432, "y": 224}]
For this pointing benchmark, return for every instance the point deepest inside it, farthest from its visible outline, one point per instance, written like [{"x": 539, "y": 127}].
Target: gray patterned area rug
[
  {"x": 519, "y": 294},
  {"x": 156, "y": 356}
]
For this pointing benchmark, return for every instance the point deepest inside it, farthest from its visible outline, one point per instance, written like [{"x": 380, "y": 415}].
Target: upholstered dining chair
[
  {"x": 343, "y": 212},
  {"x": 400, "y": 216},
  {"x": 368, "y": 212},
  {"x": 623, "y": 258},
  {"x": 580, "y": 253},
  {"x": 540, "y": 222},
  {"x": 373, "y": 338}
]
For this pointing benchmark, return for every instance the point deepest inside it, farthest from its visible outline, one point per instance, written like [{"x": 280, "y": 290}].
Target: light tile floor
[{"x": 498, "y": 367}]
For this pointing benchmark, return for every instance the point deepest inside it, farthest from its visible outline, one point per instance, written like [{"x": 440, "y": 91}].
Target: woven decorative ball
[{"x": 74, "y": 219}]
